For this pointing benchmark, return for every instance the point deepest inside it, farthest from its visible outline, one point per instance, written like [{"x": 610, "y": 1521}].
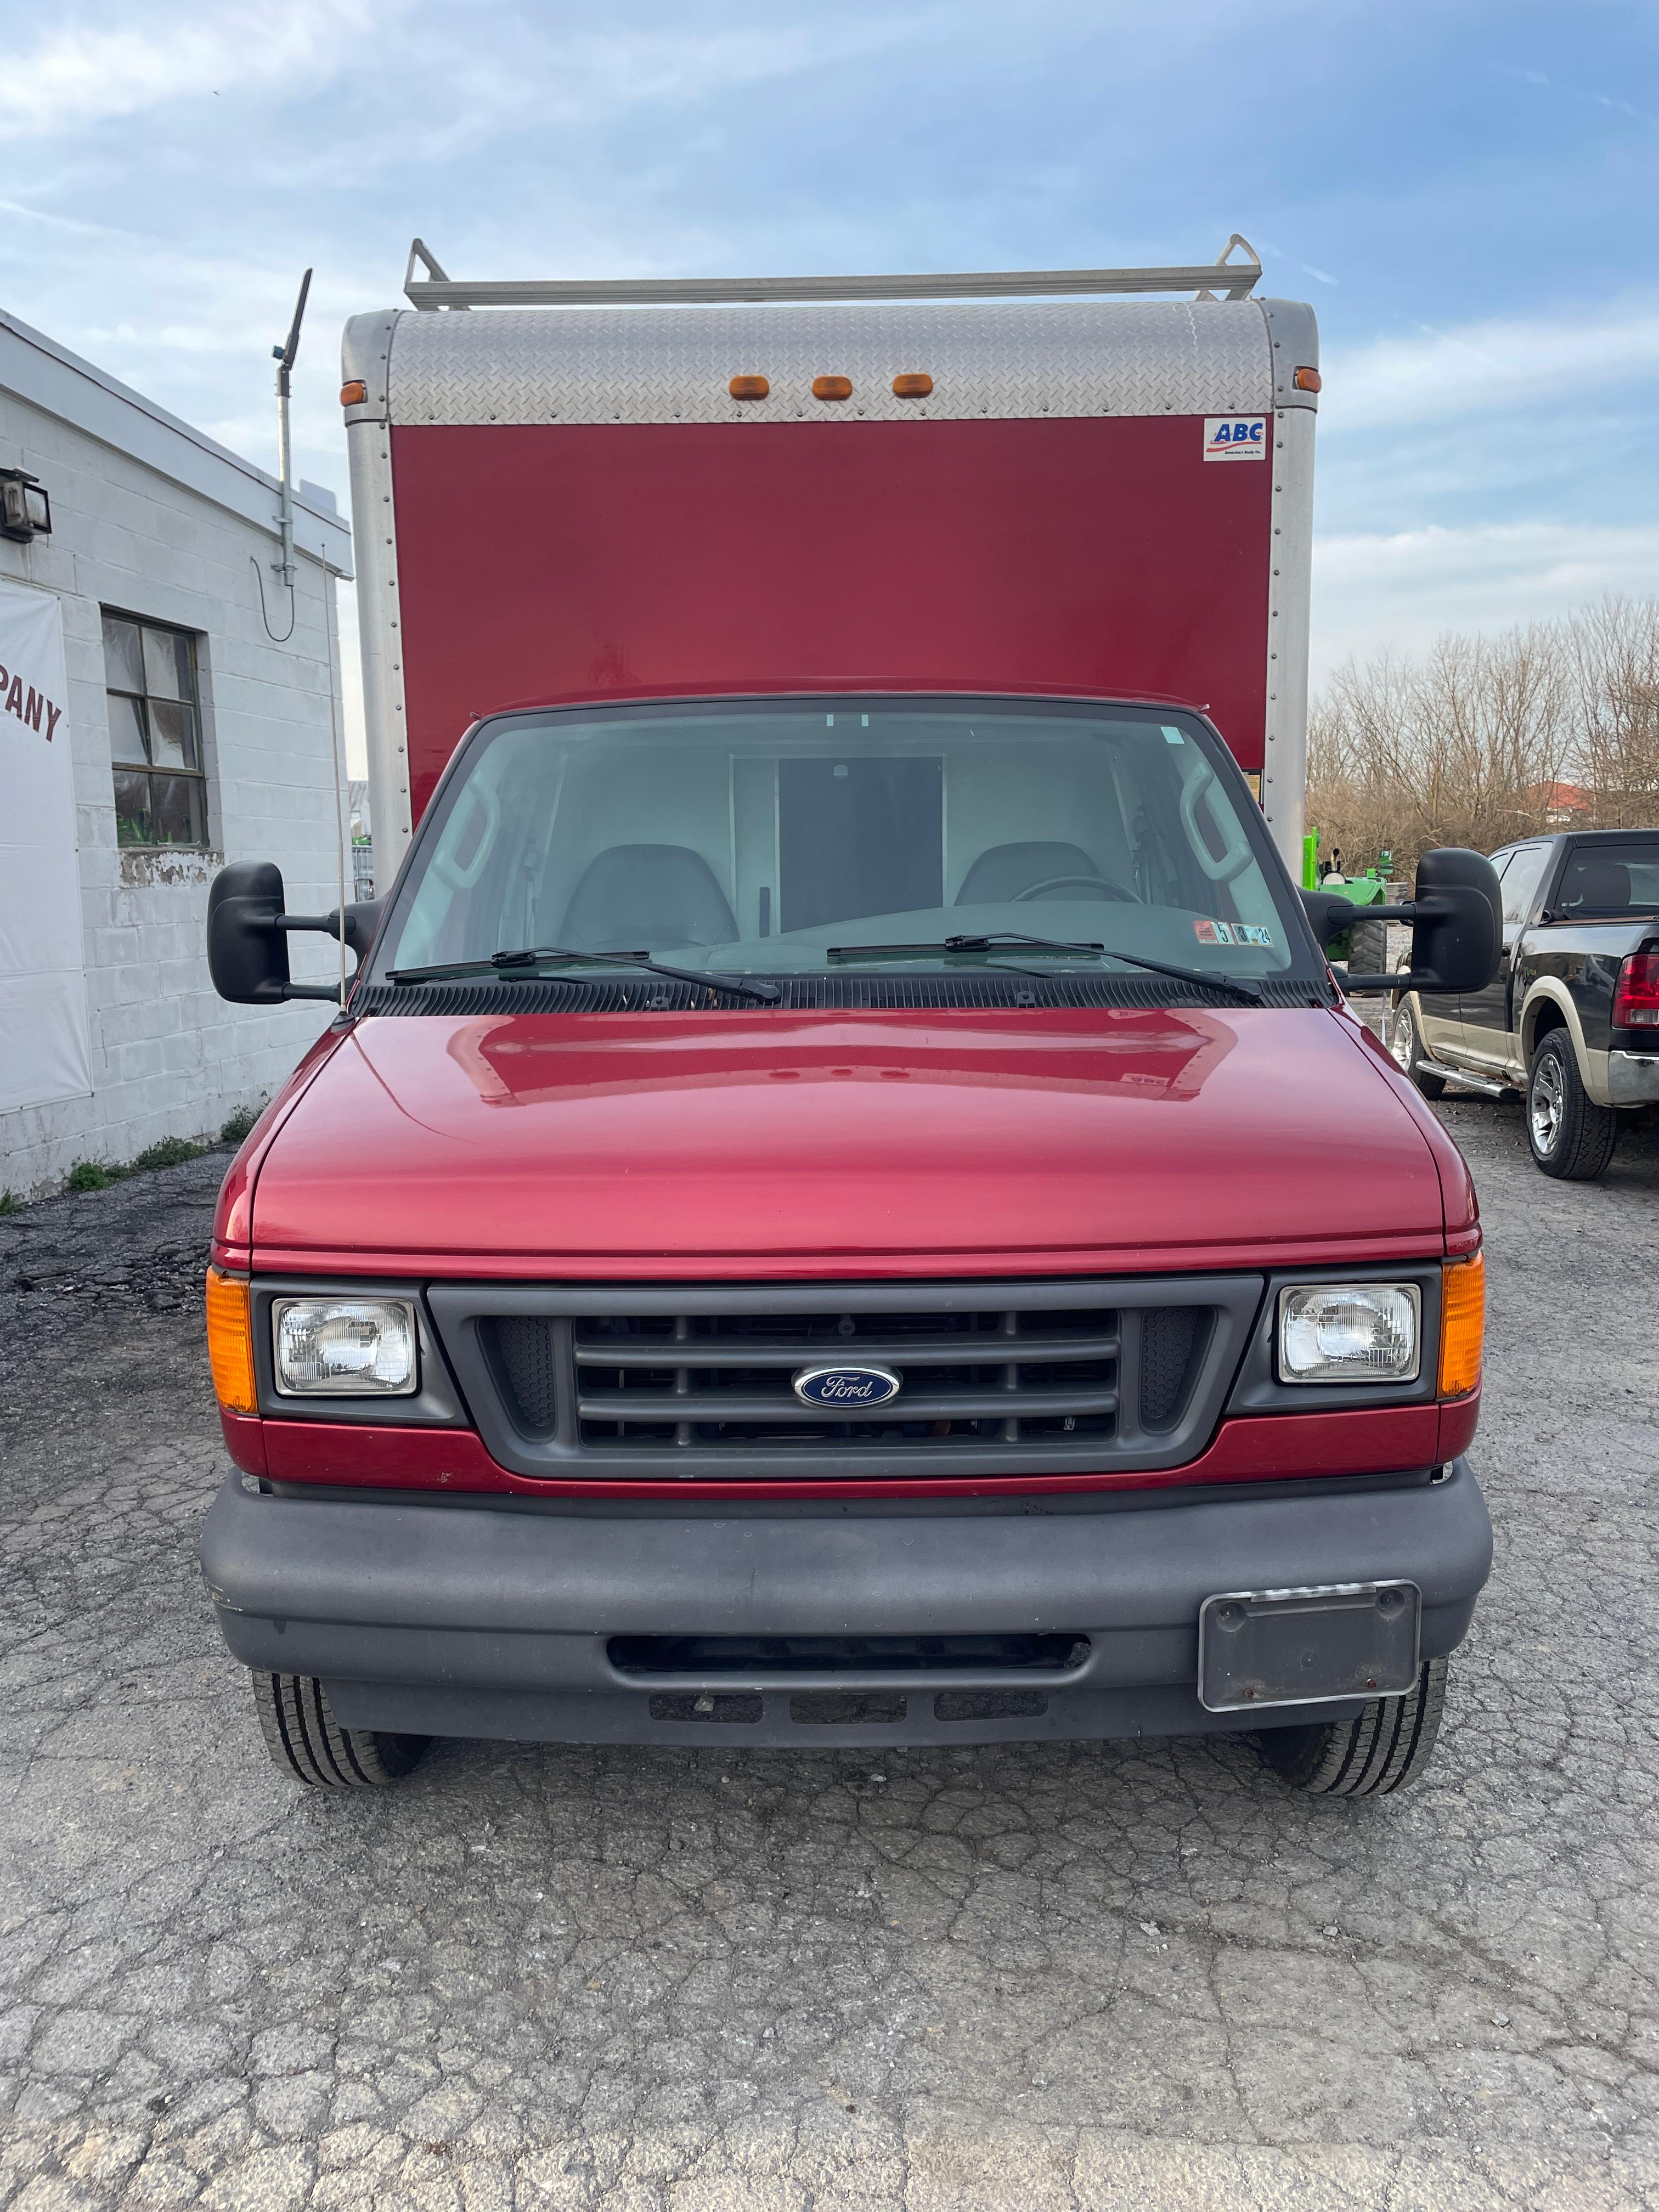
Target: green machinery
[{"x": 1370, "y": 890}]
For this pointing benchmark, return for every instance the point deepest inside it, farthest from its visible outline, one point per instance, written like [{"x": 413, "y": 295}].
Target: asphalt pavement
[{"x": 1039, "y": 1979}]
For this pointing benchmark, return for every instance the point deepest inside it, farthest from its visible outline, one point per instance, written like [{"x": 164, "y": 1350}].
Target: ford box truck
[{"x": 843, "y": 1203}]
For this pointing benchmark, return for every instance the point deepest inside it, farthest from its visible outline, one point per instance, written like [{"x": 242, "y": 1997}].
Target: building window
[{"x": 154, "y": 733}]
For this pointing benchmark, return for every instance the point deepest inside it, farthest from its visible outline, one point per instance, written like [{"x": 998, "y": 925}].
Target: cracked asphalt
[{"x": 1062, "y": 1979}]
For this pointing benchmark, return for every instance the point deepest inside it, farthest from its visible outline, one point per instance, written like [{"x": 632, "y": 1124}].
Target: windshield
[{"x": 818, "y": 837}]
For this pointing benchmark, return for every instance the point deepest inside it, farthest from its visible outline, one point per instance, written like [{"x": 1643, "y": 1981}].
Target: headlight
[
  {"x": 1349, "y": 1333},
  {"x": 344, "y": 1347}
]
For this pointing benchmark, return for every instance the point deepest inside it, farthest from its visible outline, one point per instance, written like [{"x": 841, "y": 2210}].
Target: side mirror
[
  {"x": 1457, "y": 925},
  {"x": 1458, "y": 933},
  {"x": 247, "y": 934}
]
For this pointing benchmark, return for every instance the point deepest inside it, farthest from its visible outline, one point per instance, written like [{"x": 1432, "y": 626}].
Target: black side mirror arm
[
  {"x": 1403, "y": 979},
  {"x": 360, "y": 921},
  {"x": 358, "y": 934}
]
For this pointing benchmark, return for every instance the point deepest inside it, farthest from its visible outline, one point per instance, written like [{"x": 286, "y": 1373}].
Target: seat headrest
[
  {"x": 635, "y": 897},
  {"x": 1592, "y": 880}
]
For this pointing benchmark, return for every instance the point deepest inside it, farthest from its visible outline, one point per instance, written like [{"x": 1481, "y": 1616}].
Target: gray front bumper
[
  {"x": 471, "y": 1621},
  {"x": 1633, "y": 1079}
]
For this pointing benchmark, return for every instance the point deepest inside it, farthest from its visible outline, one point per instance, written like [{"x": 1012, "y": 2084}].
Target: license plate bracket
[{"x": 1326, "y": 1644}]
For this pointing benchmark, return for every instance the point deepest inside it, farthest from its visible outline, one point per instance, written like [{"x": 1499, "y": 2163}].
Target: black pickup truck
[{"x": 1572, "y": 1016}]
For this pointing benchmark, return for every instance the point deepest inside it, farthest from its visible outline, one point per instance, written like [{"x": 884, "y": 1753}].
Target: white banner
[{"x": 43, "y": 983}]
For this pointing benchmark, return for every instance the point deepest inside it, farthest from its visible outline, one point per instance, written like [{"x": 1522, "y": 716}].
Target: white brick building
[{"x": 218, "y": 741}]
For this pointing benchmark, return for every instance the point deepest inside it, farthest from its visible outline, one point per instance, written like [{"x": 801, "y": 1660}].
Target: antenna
[{"x": 285, "y": 355}]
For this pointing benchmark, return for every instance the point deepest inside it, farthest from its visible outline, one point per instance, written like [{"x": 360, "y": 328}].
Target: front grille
[
  {"x": 1171, "y": 1337},
  {"x": 689, "y": 1380},
  {"x": 527, "y": 1351},
  {"x": 727, "y": 1380}
]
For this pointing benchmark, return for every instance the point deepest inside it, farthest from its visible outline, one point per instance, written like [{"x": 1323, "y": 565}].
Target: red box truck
[{"x": 843, "y": 1203}]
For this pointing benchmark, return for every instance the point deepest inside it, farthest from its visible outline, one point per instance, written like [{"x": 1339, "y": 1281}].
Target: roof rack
[{"x": 1232, "y": 279}]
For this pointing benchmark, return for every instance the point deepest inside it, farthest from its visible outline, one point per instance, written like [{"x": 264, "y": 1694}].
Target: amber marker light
[
  {"x": 914, "y": 385},
  {"x": 749, "y": 387},
  {"x": 1462, "y": 1325},
  {"x": 832, "y": 387},
  {"x": 354, "y": 393},
  {"x": 1308, "y": 379},
  {"x": 230, "y": 1341}
]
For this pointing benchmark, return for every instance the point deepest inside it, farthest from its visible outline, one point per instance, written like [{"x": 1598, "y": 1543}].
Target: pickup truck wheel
[
  {"x": 1572, "y": 1137},
  {"x": 308, "y": 1744},
  {"x": 1387, "y": 1747},
  {"x": 1406, "y": 1047}
]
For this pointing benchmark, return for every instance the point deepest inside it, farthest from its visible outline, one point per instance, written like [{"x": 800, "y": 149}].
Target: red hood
[{"x": 1046, "y": 1140}]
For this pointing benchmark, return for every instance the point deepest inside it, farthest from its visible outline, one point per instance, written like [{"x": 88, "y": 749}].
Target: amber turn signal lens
[
  {"x": 354, "y": 393},
  {"x": 749, "y": 387},
  {"x": 832, "y": 387},
  {"x": 916, "y": 386},
  {"x": 1308, "y": 379},
  {"x": 1462, "y": 1325},
  {"x": 230, "y": 1341}
]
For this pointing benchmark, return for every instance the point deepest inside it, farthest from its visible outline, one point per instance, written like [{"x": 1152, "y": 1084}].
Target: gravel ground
[{"x": 1060, "y": 1980}]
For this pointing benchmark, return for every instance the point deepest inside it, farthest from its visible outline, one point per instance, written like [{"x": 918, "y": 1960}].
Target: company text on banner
[{"x": 42, "y": 986}]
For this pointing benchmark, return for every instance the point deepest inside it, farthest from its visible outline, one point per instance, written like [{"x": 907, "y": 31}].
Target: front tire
[
  {"x": 1572, "y": 1137},
  {"x": 1406, "y": 1049},
  {"x": 308, "y": 1745},
  {"x": 1385, "y": 1748}
]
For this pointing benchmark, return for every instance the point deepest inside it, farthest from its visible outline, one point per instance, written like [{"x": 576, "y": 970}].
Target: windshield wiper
[
  {"x": 511, "y": 966},
  {"x": 1250, "y": 993}
]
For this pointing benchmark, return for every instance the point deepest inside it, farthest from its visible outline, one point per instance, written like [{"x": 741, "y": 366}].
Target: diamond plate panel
[{"x": 1009, "y": 361}]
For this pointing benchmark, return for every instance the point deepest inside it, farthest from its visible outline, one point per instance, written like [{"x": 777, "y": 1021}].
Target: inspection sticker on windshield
[
  {"x": 1235, "y": 437},
  {"x": 1230, "y": 932}
]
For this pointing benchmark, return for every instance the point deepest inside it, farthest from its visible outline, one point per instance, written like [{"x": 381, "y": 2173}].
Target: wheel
[
  {"x": 308, "y": 1744},
  {"x": 1387, "y": 1747},
  {"x": 1571, "y": 1135},
  {"x": 1406, "y": 1047},
  {"x": 1075, "y": 883},
  {"x": 1368, "y": 948}
]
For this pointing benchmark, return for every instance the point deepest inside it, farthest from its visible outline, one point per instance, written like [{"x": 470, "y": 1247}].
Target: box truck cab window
[{"x": 755, "y": 837}]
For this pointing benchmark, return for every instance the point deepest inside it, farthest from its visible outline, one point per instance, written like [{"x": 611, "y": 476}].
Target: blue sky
[{"x": 1465, "y": 191}]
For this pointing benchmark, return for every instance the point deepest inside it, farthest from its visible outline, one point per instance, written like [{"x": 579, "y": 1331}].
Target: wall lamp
[{"x": 25, "y": 508}]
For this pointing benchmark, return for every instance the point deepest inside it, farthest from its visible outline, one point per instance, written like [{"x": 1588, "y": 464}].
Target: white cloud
[
  {"x": 79, "y": 74},
  {"x": 1404, "y": 590},
  {"x": 621, "y": 68},
  {"x": 505, "y": 71},
  {"x": 1486, "y": 366},
  {"x": 495, "y": 68},
  {"x": 1615, "y": 107}
]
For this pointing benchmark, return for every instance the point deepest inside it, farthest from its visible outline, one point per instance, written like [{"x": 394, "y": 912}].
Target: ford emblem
[{"x": 849, "y": 1388}]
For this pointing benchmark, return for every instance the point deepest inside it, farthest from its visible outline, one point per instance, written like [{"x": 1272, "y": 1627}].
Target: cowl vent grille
[{"x": 806, "y": 994}]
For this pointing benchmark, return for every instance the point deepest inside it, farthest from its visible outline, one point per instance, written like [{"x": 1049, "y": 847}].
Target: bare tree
[
  {"x": 1359, "y": 733},
  {"x": 1615, "y": 665},
  {"x": 1471, "y": 744}
]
